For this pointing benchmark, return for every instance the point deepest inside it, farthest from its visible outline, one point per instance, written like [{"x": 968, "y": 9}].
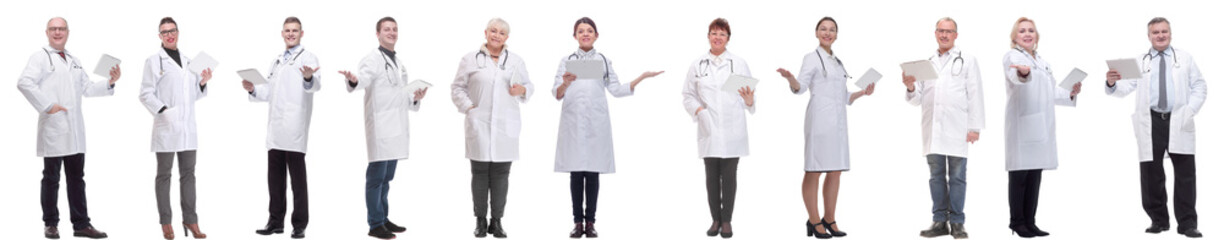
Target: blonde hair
[
  {"x": 498, "y": 23},
  {"x": 1016, "y": 29}
]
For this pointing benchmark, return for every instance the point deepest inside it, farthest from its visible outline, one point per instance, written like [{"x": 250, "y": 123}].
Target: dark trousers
[
  {"x": 720, "y": 187},
  {"x": 1152, "y": 176},
  {"x": 378, "y": 184},
  {"x": 490, "y": 180},
  {"x": 1023, "y": 187},
  {"x": 279, "y": 162},
  {"x": 74, "y": 168},
  {"x": 584, "y": 183}
]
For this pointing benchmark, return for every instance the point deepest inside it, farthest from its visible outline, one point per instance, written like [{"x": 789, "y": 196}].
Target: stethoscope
[
  {"x": 160, "y": 64},
  {"x": 956, "y": 69},
  {"x": 825, "y": 71},
  {"x": 1147, "y": 60},
  {"x": 389, "y": 67},
  {"x": 292, "y": 61},
  {"x": 574, "y": 56},
  {"x": 707, "y": 66},
  {"x": 482, "y": 64},
  {"x": 51, "y": 62}
]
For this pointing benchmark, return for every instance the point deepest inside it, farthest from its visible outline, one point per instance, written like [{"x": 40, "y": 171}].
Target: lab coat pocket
[
  {"x": 163, "y": 122},
  {"x": 705, "y": 124},
  {"x": 1187, "y": 122},
  {"x": 388, "y": 124},
  {"x": 513, "y": 127},
  {"x": 55, "y": 124},
  {"x": 1032, "y": 128}
]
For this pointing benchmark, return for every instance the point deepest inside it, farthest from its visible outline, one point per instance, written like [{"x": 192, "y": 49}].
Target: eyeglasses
[
  {"x": 169, "y": 32},
  {"x": 945, "y": 31},
  {"x": 57, "y": 29}
]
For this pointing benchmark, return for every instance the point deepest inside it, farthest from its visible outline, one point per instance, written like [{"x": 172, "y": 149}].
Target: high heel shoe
[
  {"x": 194, "y": 230},
  {"x": 1022, "y": 230},
  {"x": 167, "y": 232},
  {"x": 811, "y": 229},
  {"x": 828, "y": 226},
  {"x": 714, "y": 230},
  {"x": 1037, "y": 231}
]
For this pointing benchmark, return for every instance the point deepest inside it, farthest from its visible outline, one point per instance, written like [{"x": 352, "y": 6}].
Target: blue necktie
[{"x": 1164, "y": 99}]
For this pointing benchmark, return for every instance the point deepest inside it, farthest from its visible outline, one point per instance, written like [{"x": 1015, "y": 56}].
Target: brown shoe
[
  {"x": 194, "y": 229},
  {"x": 590, "y": 230},
  {"x": 51, "y": 232},
  {"x": 89, "y": 232},
  {"x": 578, "y": 231}
]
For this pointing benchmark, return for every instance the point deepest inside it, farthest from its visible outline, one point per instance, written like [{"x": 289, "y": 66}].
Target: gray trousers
[
  {"x": 720, "y": 187},
  {"x": 187, "y": 186},
  {"x": 490, "y": 178}
]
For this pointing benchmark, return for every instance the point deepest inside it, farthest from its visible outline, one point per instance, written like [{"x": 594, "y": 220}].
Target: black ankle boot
[
  {"x": 482, "y": 226},
  {"x": 495, "y": 228}
]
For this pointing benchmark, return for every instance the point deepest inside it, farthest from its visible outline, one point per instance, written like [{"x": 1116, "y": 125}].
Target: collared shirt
[
  {"x": 289, "y": 53},
  {"x": 389, "y": 53},
  {"x": 174, "y": 54},
  {"x": 1154, "y": 87}
]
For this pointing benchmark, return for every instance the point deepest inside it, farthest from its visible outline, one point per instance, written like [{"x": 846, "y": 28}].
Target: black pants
[
  {"x": 588, "y": 183},
  {"x": 720, "y": 187},
  {"x": 1152, "y": 176},
  {"x": 74, "y": 168},
  {"x": 1023, "y": 187},
  {"x": 295, "y": 162},
  {"x": 490, "y": 183}
]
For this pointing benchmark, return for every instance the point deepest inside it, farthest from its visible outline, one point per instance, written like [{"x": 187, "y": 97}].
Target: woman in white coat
[
  {"x": 488, "y": 88},
  {"x": 169, "y": 91},
  {"x": 1029, "y": 124},
  {"x": 722, "y": 127},
  {"x": 383, "y": 77},
  {"x": 584, "y": 140},
  {"x": 827, "y": 148}
]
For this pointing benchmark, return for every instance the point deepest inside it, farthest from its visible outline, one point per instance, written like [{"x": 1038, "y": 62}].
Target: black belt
[{"x": 1163, "y": 115}]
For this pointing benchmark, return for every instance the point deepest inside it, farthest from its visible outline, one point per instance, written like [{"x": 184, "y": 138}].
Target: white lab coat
[
  {"x": 48, "y": 80},
  {"x": 827, "y": 140},
  {"x": 951, "y": 105},
  {"x": 166, "y": 84},
  {"x": 493, "y": 127},
  {"x": 290, "y": 99},
  {"x": 584, "y": 140},
  {"x": 387, "y": 103},
  {"x": 1029, "y": 131},
  {"x": 722, "y": 127},
  {"x": 1191, "y": 91}
]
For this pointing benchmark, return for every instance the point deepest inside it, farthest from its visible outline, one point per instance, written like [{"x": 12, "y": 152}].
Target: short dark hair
[
  {"x": 720, "y": 23},
  {"x": 166, "y": 20},
  {"x": 822, "y": 20},
  {"x": 291, "y": 19},
  {"x": 1157, "y": 20},
  {"x": 378, "y": 27},
  {"x": 588, "y": 21}
]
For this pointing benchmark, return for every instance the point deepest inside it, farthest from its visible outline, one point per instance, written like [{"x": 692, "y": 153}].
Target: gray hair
[
  {"x": 498, "y": 23},
  {"x": 949, "y": 19}
]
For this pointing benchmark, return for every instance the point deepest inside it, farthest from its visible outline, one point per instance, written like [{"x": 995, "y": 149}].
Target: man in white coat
[
  {"x": 53, "y": 81},
  {"x": 1171, "y": 92},
  {"x": 292, "y": 81},
  {"x": 952, "y": 118},
  {"x": 387, "y": 103}
]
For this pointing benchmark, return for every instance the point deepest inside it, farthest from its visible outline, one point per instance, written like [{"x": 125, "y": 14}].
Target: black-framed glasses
[{"x": 168, "y": 32}]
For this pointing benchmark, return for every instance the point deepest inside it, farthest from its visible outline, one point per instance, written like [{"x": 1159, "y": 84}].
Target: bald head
[{"x": 57, "y": 32}]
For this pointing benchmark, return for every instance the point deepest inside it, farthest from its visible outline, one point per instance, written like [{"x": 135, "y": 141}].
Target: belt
[{"x": 1163, "y": 115}]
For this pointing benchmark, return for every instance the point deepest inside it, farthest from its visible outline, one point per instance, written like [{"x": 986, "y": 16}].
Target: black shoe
[
  {"x": 958, "y": 231},
  {"x": 578, "y": 231},
  {"x": 89, "y": 232},
  {"x": 811, "y": 231},
  {"x": 270, "y": 229},
  {"x": 495, "y": 228},
  {"x": 936, "y": 229},
  {"x": 714, "y": 230},
  {"x": 381, "y": 232},
  {"x": 298, "y": 233},
  {"x": 1022, "y": 230},
  {"x": 1157, "y": 228},
  {"x": 1037, "y": 231},
  {"x": 394, "y": 228},
  {"x": 1191, "y": 233},
  {"x": 51, "y": 232},
  {"x": 590, "y": 230},
  {"x": 725, "y": 230},
  {"x": 482, "y": 227},
  {"x": 828, "y": 226}
]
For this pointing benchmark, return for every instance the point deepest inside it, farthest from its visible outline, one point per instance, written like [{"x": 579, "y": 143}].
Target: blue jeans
[
  {"x": 378, "y": 182},
  {"x": 947, "y": 188}
]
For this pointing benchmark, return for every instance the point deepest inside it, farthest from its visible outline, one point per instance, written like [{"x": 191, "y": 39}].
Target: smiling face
[
  {"x": 388, "y": 33},
  {"x": 57, "y": 33},
  {"x": 718, "y": 40},
  {"x": 169, "y": 35},
  {"x": 495, "y": 37},
  {"x": 1160, "y": 35},
  {"x": 826, "y": 31},
  {"x": 945, "y": 34},
  {"x": 292, "y": 32},
  {"x": 586, "y": 36},
  {"x": 1026, "y": 35}
]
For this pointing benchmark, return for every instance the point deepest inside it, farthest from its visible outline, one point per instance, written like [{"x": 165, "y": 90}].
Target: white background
[{"x": 659, "y": 188}]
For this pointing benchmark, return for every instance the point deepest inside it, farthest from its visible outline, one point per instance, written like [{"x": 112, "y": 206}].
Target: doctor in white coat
[
  {"x": 722, "y": 125},
  {"x": 827, "y": 148},
  {"x": 54, "y": 82},
  {"x": 952, "y": 118},
  {"x": 1028, "y": 130},
  {"x": 488, "y": 88},
  {"x": 169, "y": 91},
  {"x": 584, "y": 140},
  {"x": 293, "y": 78},
  {"x": 383, "y": 77},
  {"x": 1170, "y": 93}
]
